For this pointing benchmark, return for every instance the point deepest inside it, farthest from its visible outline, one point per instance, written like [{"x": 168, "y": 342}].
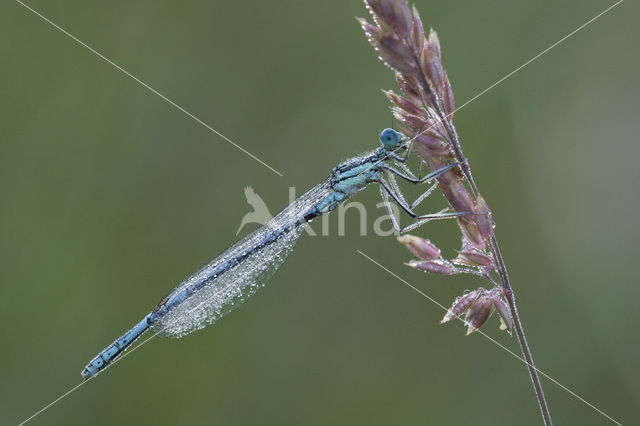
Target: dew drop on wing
[{"x": 225, "y": 292}]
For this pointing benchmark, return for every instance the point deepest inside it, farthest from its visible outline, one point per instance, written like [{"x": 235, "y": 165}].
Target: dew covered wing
[{"x": 219, "y": 293}]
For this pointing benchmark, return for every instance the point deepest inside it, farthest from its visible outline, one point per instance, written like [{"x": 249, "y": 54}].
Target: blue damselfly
[{"x": 231, "y": 278}]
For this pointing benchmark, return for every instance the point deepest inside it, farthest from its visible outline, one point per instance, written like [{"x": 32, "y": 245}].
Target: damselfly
[{"x": 228, "y": 280}]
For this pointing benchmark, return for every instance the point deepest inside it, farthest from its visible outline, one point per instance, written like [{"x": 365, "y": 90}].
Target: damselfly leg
[
  {"x": 420, "y": 220},
  {"x": 413, "y": 179},
  {"x": 391, "y": 191}
]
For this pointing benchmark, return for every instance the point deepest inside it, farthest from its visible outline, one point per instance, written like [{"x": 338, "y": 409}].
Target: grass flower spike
[{"x": 425, "y": 108}]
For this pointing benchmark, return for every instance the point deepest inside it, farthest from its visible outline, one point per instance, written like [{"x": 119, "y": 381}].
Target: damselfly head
[{"x": 392, "y": 139}]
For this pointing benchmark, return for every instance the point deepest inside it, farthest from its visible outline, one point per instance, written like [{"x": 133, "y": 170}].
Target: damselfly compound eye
[{"x": 390, "y": 138}]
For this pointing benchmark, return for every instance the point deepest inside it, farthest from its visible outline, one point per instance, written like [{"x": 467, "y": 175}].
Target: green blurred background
[{"x": 110, "y": 196}]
